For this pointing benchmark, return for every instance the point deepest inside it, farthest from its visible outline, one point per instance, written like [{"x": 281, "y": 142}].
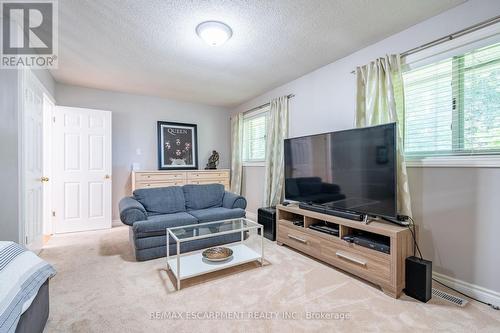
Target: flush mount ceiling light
[{"x": 214, "y": 33}]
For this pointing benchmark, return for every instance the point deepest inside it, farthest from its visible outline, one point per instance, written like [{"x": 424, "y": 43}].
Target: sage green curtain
[
  {"x": 277, "y": 131},
  {"x": 236, "y": 152},
  {"x": 380, "y": 100}
]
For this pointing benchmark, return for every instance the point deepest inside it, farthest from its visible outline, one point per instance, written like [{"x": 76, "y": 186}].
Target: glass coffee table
[{"x": 191, "y": 264}]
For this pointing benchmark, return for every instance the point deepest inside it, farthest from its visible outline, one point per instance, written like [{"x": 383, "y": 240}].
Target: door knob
[
  {"x": 44, "y": 179},
  {"x": 107, "y": 176}
]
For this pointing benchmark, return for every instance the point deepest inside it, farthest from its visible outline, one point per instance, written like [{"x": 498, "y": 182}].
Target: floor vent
[{"x": 448, "y": 297}]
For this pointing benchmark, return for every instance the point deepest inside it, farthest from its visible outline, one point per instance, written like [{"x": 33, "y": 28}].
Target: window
[
  {"x": 452, "y": 107},
  {"x": 254, "y": 136}
]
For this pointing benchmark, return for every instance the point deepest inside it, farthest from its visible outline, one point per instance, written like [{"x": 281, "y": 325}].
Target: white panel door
[
  {"x": 32, "y": 147},
  {"x": 82, "y": 165}
]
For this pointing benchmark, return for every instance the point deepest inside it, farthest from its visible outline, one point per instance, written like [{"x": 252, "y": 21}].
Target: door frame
[
  {"x": 25, "y": 74},
  {"x": 48, "y": 145}
]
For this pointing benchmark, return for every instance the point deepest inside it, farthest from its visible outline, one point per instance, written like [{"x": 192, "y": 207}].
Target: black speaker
[
  {"x": 267, "y": 217},
  {"x": 418, "y": 275}
]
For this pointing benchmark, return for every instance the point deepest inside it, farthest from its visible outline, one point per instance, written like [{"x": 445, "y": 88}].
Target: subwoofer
[
  {"x": 267, "y": 217},
  {"x": 418, "y": 276}
]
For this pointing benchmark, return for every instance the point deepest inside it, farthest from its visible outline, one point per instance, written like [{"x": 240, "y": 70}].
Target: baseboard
[
  {"x": 251, "y": 216},
  {"x": 483, "y": 294},
  {"x": 116, "y": 223}
]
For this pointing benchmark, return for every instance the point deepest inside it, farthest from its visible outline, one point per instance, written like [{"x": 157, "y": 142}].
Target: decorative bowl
[{"x": 218, "y": 253}]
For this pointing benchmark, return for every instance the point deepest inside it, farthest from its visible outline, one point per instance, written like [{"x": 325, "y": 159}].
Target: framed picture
[{"x": 177, "y": 146}]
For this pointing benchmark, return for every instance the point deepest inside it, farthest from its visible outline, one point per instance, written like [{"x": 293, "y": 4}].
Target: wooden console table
[{"x": 384, "y": 270}]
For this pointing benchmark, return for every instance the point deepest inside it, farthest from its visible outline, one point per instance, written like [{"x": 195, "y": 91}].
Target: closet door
[
  {"x": 32, "y": 160},
  {"x": 82, "y": 190}
]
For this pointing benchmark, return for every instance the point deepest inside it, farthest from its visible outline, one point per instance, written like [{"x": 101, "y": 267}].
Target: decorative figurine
[{"x": 213, "y": 161}]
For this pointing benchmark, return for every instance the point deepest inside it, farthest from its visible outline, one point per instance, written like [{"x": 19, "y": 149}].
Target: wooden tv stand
[{"x": 384, "y": 270}]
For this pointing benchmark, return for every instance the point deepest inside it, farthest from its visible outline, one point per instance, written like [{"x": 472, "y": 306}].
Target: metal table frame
[{"x": 252, "y": 225}]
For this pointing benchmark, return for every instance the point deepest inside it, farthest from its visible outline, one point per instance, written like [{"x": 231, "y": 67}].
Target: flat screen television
[{"x": 352, "y": 170}]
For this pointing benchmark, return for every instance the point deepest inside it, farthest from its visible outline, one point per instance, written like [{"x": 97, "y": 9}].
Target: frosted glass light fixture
[{"x": 214, "y": 33}]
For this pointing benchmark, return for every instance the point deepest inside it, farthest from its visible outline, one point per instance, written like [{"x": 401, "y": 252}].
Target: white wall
[
  {"x": 456, "y": 208},
  {"x": 253, "y": 188},
  {"x": 134, "y": 127}
]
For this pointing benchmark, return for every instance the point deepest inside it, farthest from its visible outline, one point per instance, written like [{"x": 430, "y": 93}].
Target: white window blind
[
  {"x": 254, "y": 137},
  {"x": 452, "y": 107}
]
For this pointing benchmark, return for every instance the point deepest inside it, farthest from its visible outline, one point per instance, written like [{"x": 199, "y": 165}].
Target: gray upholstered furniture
[{"x": 150, "y": 211}]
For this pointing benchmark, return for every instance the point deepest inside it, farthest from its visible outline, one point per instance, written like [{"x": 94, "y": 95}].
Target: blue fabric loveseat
[{"x": 150, "y": 211}]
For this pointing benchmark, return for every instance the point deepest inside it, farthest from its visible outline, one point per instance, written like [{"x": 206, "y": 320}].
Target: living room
[{"x": 160, "y": 128}]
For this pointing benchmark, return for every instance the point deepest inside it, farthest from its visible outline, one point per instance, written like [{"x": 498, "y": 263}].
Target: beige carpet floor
[{"x": 100, "y": 288}]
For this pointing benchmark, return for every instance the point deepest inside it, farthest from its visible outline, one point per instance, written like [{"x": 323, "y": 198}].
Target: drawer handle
[
  {"x": 297, "y": 239},
  {"x": 354, "y": 260}
]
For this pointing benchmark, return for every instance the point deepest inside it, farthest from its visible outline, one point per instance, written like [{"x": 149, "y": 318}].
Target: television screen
[{"x": 351, "y": 170}]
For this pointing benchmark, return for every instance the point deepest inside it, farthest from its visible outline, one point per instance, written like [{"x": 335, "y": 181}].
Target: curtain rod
[
  {"x": 266, "y": 104},
  {"x": 449, "y": 37}
]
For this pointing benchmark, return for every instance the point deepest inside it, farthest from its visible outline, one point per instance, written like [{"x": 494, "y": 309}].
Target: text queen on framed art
[{"x": 177, "y": 146}]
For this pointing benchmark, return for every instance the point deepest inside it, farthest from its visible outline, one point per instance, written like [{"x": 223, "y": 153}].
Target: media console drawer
[
  {"x": 362, "y": 261},
  {"x": 365, "y": 262},
  {"x": 298, "y": 240}
]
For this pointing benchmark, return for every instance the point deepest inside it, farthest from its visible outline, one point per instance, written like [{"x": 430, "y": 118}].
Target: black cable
[
  {"x": 413, "y": 234},
  {"x": 415, "y": 245}
]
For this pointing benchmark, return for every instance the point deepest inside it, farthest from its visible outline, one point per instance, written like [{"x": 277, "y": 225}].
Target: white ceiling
[{"x": 150, "y": 47}]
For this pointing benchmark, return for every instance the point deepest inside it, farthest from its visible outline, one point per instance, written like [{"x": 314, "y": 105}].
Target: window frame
[
  {"x": 457, "y": 156},
  {"x": 264, "y": 111}
]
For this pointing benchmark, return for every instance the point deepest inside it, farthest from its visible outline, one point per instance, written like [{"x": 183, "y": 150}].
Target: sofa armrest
[
  {"x": 232, "y": 200},
  {"x": 131, "y": 211},
  {"x": 330, "y": 188}
]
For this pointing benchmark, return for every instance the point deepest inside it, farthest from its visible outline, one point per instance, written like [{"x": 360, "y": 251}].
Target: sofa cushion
[
  {"x": 309, "y": 185},
  {"x": 161, "y": 241},
  {"x": 203, "y": 196},
  {"x": 310, "y": 188},
  {"x": 218, "y": 213},
  {"x": 157, "y": 225},
  {"x": 163, "y": 200}
]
